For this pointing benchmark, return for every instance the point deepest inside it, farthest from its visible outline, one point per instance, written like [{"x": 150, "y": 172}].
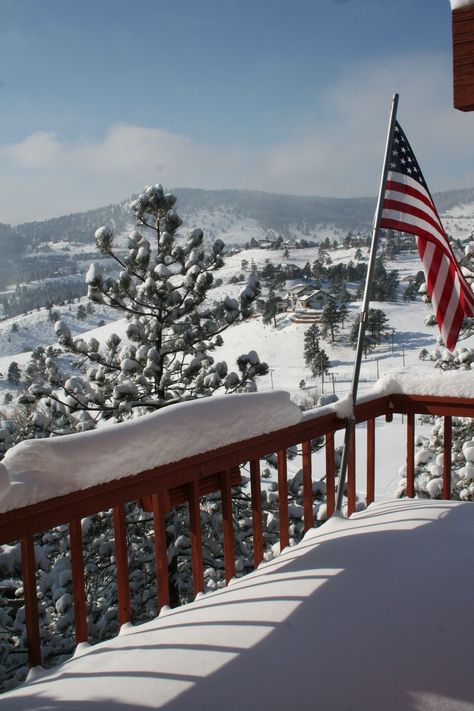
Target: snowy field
[{"x": 386, "y": 594}]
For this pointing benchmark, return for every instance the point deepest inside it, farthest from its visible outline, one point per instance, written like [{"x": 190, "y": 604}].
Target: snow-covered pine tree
[{"x": 161, "y": 287}]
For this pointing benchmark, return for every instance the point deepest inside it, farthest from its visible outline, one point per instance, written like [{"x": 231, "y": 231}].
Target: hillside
[{"x": 287, "y": 215}]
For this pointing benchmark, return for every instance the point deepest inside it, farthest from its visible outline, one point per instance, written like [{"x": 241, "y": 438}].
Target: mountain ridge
[{"x": 277, "y": 212}]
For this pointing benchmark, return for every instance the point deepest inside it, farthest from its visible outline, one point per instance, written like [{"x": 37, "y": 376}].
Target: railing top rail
[{"x": 62, "y": 509}]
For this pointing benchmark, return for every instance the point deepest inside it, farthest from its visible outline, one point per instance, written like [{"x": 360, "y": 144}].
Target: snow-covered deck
[{"x": 374, "y": 612}]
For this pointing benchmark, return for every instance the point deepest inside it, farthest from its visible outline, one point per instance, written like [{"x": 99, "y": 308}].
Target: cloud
[
  {"x": 342, "y": 155},
  {"x": 338, "y": 153},
  {"x": 44, "y": 176}
]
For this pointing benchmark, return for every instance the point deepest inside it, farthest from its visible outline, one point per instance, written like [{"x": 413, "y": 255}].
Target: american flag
[{"x": 409, "y": 207}]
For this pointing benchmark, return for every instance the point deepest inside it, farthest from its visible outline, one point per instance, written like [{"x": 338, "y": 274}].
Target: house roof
[
  {"x": 296, "y": 288},
  {"x": 368, "y": 613}
]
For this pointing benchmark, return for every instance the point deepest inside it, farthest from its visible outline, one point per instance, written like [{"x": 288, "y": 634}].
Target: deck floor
[{"x": 371, "y": 613}]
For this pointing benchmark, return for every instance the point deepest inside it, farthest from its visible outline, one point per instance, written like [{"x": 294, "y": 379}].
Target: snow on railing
[{"x": 197, "y": 450}]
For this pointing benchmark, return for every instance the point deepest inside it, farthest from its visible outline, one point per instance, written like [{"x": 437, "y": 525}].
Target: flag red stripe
[
  {"x": 407, "y": 209},
  {"x": 456, "y": 324},
  {"x": 409, "y": 190}
]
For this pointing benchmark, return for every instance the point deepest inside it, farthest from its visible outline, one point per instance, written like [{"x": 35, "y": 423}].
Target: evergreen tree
[
  {"x": 14, "y": 373},
  {"x": 377, "y": 324},
  {"x": 369, "y": 342},
  {"x": 330, "y": 320},
  {"x": 311, "y": 344},
  {"x": 81, "y": 312},
  {"x": 376, "y": 328},
  {"x": 270, "y": 309},
  {"x": 161, "y": 290},
  {"x": 321, "y": 364}
]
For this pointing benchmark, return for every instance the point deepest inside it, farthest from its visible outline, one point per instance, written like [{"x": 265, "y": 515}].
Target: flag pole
[{"x": 364, "y": 313}]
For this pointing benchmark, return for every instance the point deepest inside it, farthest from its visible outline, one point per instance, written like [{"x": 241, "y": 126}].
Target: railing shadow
[{"x": 329, "y": 632}]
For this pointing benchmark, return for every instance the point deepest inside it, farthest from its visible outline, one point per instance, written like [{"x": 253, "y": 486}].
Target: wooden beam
[{"x": 463, "y": 58}]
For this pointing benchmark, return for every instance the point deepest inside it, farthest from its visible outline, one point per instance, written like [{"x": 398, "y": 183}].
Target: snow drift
[{"x": 35, "y": 470}]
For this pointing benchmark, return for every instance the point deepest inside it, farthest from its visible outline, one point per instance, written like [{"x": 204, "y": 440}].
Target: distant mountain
[{"x": 227, "y": 210}]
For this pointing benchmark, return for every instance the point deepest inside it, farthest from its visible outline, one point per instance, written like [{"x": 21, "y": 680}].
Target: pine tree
[
  {"x": 270, "y": 309},
  {"x": 377, "y": 324},
  {"x": 162, "y": 290},
  {"x": 311, "y": 344},
  {"x": 330, "y": 320},
  {"x": 14, "y": 373},
  {"x": 376, "y": 328},
  {"x": 321, "y": 364}
]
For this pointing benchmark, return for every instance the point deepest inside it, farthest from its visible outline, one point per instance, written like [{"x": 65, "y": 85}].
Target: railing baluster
[
  {"x": 307, "y": 486},
  {"x": 121, "y": 562},
  {"x": 330, "y": 475},
  {"x": 227, "y": 525},
  {"x": 78, "y": 588},
  {"x": 196, "y": 537},
  {"x": 448, "y": 433},
  {"x": 351, "y": 475},
  {"x": 283, "y": 498},
  {"x": 28, "y": 566},
  {"x": 161, "y": 549},
  {"x": 257, "y": 524},
  {"x": 370, "y": 496},
  {"x": 410, "y": 455}
]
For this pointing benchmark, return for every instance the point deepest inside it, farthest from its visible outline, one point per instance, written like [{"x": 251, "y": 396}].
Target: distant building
[{"x": 316, "y": 300}]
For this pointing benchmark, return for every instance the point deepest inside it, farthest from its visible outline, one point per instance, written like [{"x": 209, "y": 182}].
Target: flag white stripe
[
  {"x": 441, "y": 276},
  {"x": 452, "y": 307}
]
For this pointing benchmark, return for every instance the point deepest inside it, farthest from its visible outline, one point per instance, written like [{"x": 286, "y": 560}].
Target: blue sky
[{"x": 100, "y": 97}]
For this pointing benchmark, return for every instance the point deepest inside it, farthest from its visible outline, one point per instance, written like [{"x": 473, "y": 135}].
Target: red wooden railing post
[
  {"x": 78, "y": 588},
  {"x": 257, "y": 524},
  {"x": 448, "y": 430},
  {"x": 161, "y": 549},
  {"x": 351, "y": 476},
  {"x": 370, "y": 461},
  {"x": 28, "y": 566},
  {"x": 228, "y": 526},
  {"x": 283, "y": 498},
  {"x": 121, "y": 563},
  {"x": 330, "y": 475},
  {"x": 411, "y": 455},
  {"x": 196, "y": 537},
  {"x": 307, "y": 486}
]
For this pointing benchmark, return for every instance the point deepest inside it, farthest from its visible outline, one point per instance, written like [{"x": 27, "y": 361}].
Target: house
[
  {"x": 317, "y": 299},
  {"x": 308, "y": 296},
  {"x": 291, "y": 271}
]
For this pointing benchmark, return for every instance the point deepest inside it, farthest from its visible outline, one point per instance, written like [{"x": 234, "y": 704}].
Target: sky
[{"x": 101, "y": 97}]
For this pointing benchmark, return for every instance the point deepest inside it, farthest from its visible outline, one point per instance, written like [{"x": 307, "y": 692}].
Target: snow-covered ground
[{"x": 369, "y": 613}]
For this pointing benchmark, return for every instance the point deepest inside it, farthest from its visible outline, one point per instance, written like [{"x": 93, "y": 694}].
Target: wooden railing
[{"x": 189, "y": 479}]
